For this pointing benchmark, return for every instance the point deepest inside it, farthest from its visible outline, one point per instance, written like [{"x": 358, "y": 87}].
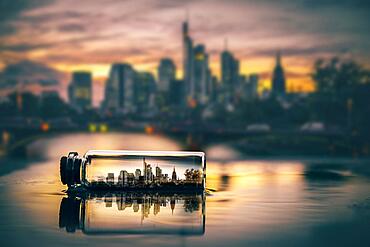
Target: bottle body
[{"x": 133, "y": 170}]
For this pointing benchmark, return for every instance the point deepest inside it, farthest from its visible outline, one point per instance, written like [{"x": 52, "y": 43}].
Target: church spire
[
  {"x": 174, "y": 175},
  {"x": 278, "y": 58},
  {"x": 278, "y": 78}
]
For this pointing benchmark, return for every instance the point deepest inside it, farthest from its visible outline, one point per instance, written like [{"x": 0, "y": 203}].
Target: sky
[{"x": 56, "y": 37}]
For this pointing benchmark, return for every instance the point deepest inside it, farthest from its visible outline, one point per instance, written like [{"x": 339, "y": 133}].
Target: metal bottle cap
[{"x": 70, "y": 169}]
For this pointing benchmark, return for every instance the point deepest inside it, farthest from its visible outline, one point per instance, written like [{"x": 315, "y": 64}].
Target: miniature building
[{"x": 110, "y": 178}]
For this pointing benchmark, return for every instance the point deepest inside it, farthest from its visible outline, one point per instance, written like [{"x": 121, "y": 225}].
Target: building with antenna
[
  {"x": 278, "y": 78},
  {"x": 188, "y": 60},
  {"x": 197, "y": 76}
]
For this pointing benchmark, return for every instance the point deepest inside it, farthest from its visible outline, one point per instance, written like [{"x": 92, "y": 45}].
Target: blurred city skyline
[{"x": 67, "y": 36}]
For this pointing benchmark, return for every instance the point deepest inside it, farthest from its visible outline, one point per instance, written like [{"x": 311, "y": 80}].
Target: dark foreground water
[{"x": 287, "y": 202}]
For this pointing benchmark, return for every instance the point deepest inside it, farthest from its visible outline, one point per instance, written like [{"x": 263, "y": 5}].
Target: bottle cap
[{"x": 70, "y": 169}]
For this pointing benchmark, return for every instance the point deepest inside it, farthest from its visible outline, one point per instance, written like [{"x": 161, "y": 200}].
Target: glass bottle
[{"x": 134, "y": 170}]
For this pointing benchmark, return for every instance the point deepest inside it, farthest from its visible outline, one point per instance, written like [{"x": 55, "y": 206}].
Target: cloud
[
  {"x": 10, "y": 10},
  {"x": 23, "y": 47},
  {"x": 340, "y": 48},
  {"x": 73, "y": 27},
  {"x": 28, "y": 72},
  {"x": 336, "y": 3}
]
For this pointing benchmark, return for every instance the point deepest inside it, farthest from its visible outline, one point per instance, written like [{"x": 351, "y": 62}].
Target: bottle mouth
[{"x": 70, "y": 169}]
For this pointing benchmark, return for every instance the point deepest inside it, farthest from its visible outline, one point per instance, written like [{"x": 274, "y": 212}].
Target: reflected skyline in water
[{"x": 106, "y": 213}]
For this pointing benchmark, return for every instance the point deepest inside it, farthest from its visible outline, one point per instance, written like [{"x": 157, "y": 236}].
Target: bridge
[{"x": 16, "y": 137}]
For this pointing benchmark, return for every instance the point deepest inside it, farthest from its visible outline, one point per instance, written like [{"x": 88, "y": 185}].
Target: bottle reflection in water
[
  {"x": 106, "y": 213},
  {"x": 133, "y": 170}
]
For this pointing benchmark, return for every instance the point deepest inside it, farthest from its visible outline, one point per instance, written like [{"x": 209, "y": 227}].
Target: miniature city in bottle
[{"x": 134, "y": 170}]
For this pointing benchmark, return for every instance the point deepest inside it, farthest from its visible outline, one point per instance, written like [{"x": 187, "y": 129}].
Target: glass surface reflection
[{"x": 133, "y": 213}]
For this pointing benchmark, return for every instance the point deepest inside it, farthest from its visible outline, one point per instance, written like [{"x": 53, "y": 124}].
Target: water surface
[{"x": 290, "y": 201}]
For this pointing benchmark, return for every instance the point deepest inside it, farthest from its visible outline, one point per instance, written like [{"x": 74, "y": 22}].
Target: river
[{"x": 255, "y": 202}]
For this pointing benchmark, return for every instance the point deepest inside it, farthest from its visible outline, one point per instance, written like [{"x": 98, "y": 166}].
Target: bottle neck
[{"x": 70, "y": 169}]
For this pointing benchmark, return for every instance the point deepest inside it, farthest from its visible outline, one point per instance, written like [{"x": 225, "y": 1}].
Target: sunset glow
[{"x": 70, "y": 36}]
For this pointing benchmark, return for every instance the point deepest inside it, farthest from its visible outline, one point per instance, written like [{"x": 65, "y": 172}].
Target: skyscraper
[
  {"x": 177, "y": 95},
  {"x": 209, "y": 85},
  {"x": 145, "y": 166},
  {"x": 144, "y": 92},
  {"x": 166, "y": 74},
  {"x": 122, "y": 178},
  {"x": 119, "y": 90},
  {"x": 158, "y": 172},
  {"x": 147, "y": 172},
  {"x": 110, "y": 178},
  {"x": 137, "y": 174},
  {"x": 251, "y": 87},
  {"x": 214, "y": 88},
  {"x": 188, "y": 60},
  {"x": 278, "y": 78},
  {"x": 80, "y": 89},
  {"x": 197, "y": 75},
  {"x": 201, "y": 74},
  {"x": 229, "y": 74}
]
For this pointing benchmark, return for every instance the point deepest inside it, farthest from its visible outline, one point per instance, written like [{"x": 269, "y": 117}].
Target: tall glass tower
[{"x": 188, "y": 61}]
